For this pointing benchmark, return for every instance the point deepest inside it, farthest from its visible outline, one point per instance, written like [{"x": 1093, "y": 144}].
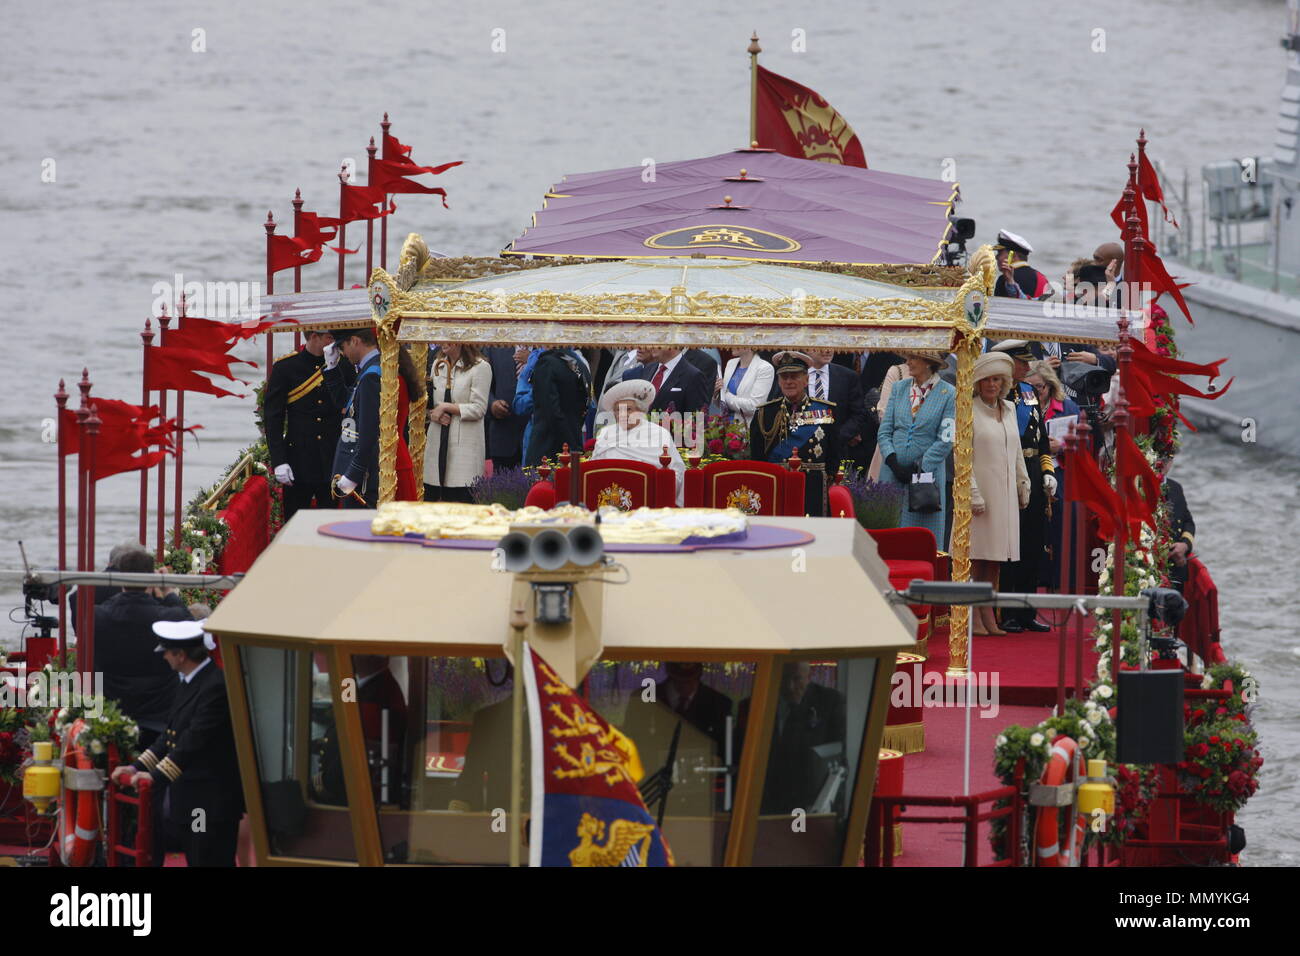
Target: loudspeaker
[
  {"x": 588, "y": 547},
  {"x": 1149, "y": 724},
  {"x": 516, "y": 549},
  {"x": 550, "y": 549}
]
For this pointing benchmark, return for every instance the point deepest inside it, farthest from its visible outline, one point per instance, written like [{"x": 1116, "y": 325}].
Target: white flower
[
  {"x": 1002, "y": 741},
  {"x": 1207, "y": 683},
  {"x": 1085, "y": 742},
  {"x": 1105, "y": 691},
  {"x": 1036, "y": 740},
  {"x": 96, "y": 746}
]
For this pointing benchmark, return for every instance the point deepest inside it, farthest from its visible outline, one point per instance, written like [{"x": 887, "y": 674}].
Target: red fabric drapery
[{"x": 248, "y": 515}]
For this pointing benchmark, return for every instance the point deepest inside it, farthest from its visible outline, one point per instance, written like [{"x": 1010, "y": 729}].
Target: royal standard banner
[
  {"x": 798, "y": 122},
  {"x": 586, "y": 809}
]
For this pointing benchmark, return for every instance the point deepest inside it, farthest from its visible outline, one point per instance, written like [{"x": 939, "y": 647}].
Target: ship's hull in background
[{"x": 1259, "y": 332}]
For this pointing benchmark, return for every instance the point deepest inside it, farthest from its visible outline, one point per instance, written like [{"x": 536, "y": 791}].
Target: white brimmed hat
[
  {"x": 639, "y": 390},
  {"x": 176, "y": 635},
  {"x": 1010, "y": 240}
]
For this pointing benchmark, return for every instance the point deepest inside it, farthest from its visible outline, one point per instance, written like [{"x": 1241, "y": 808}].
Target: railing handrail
[{"x": 242, "y": 470}]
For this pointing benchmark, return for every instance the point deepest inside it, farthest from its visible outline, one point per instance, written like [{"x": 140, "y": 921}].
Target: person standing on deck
[{"x": 355, "y": 474}]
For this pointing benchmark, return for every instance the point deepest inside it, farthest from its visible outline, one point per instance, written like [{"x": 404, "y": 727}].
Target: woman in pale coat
[
  {"x": 999, "y": 485},
  {"x": 744, "y": 385},
  {"x": 916, "y": 436},
  {"x": 458, "y": 399}
]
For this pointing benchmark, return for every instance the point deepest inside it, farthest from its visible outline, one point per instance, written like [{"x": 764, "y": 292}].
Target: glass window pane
[
  {"x": 685, "y": 718},
  {"x": 298, "y": 760},
  {"x": 437, "y": 737},
  {"x": 821, "y": 716}
]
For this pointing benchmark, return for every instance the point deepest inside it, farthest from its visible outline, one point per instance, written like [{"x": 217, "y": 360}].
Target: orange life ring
[
  {"x": 1065, "y": 765},
  {"x": 79, "y": 809}
]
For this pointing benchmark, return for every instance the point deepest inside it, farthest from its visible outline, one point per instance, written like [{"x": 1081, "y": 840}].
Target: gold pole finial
[{"x": 754, "y": 50}]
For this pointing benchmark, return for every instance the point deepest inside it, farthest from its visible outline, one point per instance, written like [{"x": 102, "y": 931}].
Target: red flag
[
  {"x": 1149, "y": 184},
  {"x": 797, "y": 121},
  {"x": 1153, "y": 272},
  {"x": 388, "y": 181},
  {"x": 1118, "y": 213},
  {"x": 287, "y": 252},
  {"x": 358, "y": 203},
  {"x": 1095, "y": 492},
  {"x": 207, "y": 335},
  {"x": 404, "y": 167},
  {"x": 1139, "y": 485},
  {"x": 177, "y": 368},
  {"x": 311, "y": 229},
  {"x": 123, "y": 430},
  {"x": 1167, "y": 363}
]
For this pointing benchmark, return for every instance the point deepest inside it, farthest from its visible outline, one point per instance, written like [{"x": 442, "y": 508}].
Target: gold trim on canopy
[{"x": 429, "y": 313}]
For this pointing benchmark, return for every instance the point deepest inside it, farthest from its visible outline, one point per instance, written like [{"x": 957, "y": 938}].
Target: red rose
[
  {"x": 715, "y": 446},
  {"x": 1214, "y": 739},
  {"x": 1198, "y": 713},
  {"x": 1220, "y": 712},
  {"x": 734, "y": 444}
]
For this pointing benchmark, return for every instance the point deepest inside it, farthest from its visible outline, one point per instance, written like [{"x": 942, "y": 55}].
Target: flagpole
[
  {"x": 297, "y": 270},
  {"x": 269, "y": 225},
  {"x": 61, "y": 401},
  {"x": 146, "y": 337},
  {"x": 343, "y": 226},
  {"x": 754, "y": 50},
  {"x": 180, "y": 439},
  {"x": 83, "y": 413},
  {"x": 370, "y": 223},
  {"x": 518, "y": 623},
  {"x": 383, "y": 225},
  {"x": 164, "y": 321},
  {"x": 86, "y": 637}
]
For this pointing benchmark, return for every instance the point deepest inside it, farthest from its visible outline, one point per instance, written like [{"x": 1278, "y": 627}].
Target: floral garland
[
  {"x": 111, "y": 728},
  {"x": 204, "y": 535},
  {"x": 1221, "y": 761}
]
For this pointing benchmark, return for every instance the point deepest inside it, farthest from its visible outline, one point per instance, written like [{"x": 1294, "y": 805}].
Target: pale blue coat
[{"x": 923, "y": 440}]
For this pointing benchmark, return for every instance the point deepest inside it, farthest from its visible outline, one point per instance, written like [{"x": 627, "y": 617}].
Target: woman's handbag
[{"x": 923, "y": 497}]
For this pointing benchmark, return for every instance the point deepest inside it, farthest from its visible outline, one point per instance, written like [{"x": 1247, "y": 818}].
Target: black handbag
[{"x": 923, "y": 497}]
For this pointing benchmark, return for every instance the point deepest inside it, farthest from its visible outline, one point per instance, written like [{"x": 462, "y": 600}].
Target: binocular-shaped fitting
[{"x": 530, "y": 548}]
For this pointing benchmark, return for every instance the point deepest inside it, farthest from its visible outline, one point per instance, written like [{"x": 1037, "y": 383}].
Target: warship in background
[{"x": 1243, "y": 263}]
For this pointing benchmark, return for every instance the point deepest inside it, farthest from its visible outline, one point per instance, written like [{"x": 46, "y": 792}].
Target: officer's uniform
[
  {"x": 1181, "y": 528},
  {"x": 1033, "y": 284},
  {"x": 194, "y": 759},
  {"x": 356, "y": 456},
  {"x": 1022, "y": 576},
  {"x": 781, "y": 426},
  {"x": 302, "y": 428}
]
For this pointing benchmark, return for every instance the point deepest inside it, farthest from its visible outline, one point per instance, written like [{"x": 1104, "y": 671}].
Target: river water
[{"x": 171, "y": 129}]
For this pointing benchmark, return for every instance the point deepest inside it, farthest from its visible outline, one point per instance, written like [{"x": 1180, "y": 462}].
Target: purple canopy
[{"x": 782, "y": 210}]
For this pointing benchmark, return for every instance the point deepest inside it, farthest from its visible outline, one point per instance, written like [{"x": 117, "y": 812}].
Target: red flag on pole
[
  {"x": 357, "y": 203},
  {"x": 1149, "y": 184},
  {"x": 124, "y": 430},
  {"x": 1095, "y": 492},
  {"x": 797, "y": 121},
  {"x": 1153, "y": 272},
  {"x": 288, "y": 252},
  {"x": 177, "y": 368},
  {"x": 1139, "y": 485}
]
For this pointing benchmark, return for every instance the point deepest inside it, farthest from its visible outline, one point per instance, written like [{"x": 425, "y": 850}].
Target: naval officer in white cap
[{"x": 194, "y": 758}]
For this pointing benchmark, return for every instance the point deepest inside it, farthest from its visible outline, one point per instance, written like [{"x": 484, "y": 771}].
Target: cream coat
[
  {"x": 466, "y": 448},
  {"x": 1000, "y": 483}
]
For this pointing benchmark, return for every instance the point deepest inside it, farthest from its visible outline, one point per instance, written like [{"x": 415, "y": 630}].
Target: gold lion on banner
[{"x": 628, "y": 843}]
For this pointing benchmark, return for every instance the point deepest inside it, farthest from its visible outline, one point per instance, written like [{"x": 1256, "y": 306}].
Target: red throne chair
[
  {"x": 910, "y": 553},
  {"x": 755, "y": 487},
  {"x": 620, "y": 483}
]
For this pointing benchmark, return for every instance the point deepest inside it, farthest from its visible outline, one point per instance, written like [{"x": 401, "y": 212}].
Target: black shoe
[
  {"x": 1013, "y": 627},
  {"x": 1037, "y": 625}
]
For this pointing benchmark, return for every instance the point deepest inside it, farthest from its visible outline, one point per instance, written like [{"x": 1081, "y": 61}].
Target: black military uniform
[
  {"x": 1022, "y": 576},
  {"x": 1181, "y": 528},
  {"x": 302, "y": 428},
  {"x": 807, "y": 424},
  {"x": 194, "y": 759}
]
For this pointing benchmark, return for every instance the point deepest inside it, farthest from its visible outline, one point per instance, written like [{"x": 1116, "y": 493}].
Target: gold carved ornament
[
  {"x": 386, "y": 319},
  {"x": 969, "y": 345},
  {"x": 417, "y": 436}
]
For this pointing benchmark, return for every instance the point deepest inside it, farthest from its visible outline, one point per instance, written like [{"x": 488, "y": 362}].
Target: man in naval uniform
[
  {"x": 1013, "y": 252},
  {"x": 302, "y": 424},
  {"x": 355, "y": 473},
  {"x": 796, "y": 421},
  {"x": 194, "y": 758},
  {"x": 1022, "y": 576},
  {"x": 1182, "y": 530}
]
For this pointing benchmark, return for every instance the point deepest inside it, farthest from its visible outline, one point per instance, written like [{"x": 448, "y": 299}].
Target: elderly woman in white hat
[
  {"x": 999, "y": 482},
  {"x": 626, "y": 432}
]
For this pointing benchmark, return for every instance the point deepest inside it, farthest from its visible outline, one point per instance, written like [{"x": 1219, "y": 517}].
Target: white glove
[
  {"x": 1049, "y": 485},
  {"x": 331, "y": 355},
  {"x": 346, "y": 485},
  {"x": 284, "y": 474}
]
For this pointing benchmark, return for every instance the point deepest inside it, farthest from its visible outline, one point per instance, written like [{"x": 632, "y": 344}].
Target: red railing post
[
  {"x": 164, "y": 321},
  {"x": 269, "y": 226},
  {"x": 180, "y": 438},
  {"x": 146, "y": 339},
  {"x": 86, "y": 639},
  {"x": 370, "y": 223},
  {"x": 383, "y": 223},
  {"x": 61, "y": 402},
  {"x": 297, "y": 270}
]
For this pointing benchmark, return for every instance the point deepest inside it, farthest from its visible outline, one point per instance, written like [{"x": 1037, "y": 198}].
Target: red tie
[{"x": 658, "y": 380}]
